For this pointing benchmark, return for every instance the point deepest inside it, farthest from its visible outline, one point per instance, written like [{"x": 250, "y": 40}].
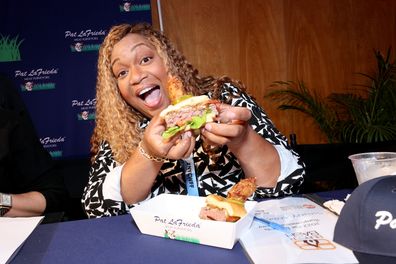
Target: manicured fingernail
[{"x": 208, "y": 127}]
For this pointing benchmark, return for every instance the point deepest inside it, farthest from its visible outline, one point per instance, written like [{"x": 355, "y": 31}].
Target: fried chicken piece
[
  {"x": 175, "y": 89},
  {"x": 242, "y": 190},
  {"x": 232, "y": 208}
]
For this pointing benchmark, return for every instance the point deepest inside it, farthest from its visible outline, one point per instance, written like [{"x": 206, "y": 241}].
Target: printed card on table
[{"x": 310, "y": 239}]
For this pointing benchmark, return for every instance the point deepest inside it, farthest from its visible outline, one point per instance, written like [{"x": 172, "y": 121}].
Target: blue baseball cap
[{"x": 367, "y": 222}]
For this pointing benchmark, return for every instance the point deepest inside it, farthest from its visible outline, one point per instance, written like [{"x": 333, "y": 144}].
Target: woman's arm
[
  {"x": 141, "y": 170},
  {"x": 257, "y": 157},
  {"x": 258, "y": 145},
  {"x": 112, "y": 187},
  {"x": 138, "y": 176},
  {"x": 27, "y": 204}
]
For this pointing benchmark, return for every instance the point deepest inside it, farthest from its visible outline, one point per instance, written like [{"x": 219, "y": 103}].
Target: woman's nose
[{"x": 137, "y": 74}]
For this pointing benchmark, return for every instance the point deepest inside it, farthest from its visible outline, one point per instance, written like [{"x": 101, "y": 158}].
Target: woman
[{"x": 132, "y": 162}]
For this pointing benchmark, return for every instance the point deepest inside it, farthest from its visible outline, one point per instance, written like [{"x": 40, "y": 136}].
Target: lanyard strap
[{"x": 191, "y": 179}]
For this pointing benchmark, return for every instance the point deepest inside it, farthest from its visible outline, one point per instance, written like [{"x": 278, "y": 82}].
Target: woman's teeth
[{"x": 142, "y": 92}]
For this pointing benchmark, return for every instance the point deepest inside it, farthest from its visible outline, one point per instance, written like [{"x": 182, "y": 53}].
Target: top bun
[{"x": 233, "y": 208}]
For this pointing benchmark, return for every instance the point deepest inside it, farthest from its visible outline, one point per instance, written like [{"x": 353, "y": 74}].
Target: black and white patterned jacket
[{"x": 214, "y": 175}]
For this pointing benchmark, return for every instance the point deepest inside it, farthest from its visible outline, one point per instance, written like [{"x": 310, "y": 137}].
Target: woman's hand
[
  {"x": 234, "y": 131},
  {"x": 178, "y": 147},
  {"x": 231, "y": 127}
]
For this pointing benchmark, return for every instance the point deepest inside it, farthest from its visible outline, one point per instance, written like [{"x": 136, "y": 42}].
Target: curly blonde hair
[{"x": 117, "y": 122}]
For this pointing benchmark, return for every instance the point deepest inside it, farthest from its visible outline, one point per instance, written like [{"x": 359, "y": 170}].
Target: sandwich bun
[{"x": 232, "y": 207}]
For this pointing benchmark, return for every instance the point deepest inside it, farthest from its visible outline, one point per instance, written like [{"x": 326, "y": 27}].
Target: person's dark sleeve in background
[{"x": 24, "y": 163}]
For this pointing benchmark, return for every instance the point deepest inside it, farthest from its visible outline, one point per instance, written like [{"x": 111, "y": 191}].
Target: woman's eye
[
  {"x": 145, "y": 60},
  {"x": 121, "y": 74}
]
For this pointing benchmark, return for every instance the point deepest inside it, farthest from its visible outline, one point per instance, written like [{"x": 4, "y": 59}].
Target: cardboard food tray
[{"x": 177, "y": 217}]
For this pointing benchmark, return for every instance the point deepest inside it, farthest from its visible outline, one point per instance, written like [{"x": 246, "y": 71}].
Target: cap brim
[{"x": 374, "y": 259}]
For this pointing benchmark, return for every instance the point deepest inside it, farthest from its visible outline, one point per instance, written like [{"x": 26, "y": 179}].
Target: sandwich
[
  {"x": 186, "y": 112},
  {"x": 231, "y": 208},
  {"x": 219, "y": 208}
]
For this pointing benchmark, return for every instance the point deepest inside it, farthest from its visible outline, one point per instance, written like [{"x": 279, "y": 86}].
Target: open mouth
[{"x": 150, "y": 95}]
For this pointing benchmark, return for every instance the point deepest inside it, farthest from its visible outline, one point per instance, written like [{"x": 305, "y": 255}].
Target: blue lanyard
[{"x": 191, "y": 179}]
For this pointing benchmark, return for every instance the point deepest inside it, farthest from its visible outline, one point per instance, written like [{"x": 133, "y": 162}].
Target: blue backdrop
[{"x": 49, "y": 49}]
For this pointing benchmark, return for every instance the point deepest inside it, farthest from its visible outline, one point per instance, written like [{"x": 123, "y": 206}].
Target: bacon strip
[{"x": 242, "y": 190}]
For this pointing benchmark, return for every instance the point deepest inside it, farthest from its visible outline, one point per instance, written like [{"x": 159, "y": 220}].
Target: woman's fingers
[
  {"x": 182, "y": 146},
  {"x": 237, "y": 115},
  {"x": 238, "y": 122},
  {"x": 231, "y": 125},
  {"x": 215, "y": 131}
]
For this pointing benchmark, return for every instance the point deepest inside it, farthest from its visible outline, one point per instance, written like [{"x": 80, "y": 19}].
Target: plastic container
[{"x": 371, "y": 165}]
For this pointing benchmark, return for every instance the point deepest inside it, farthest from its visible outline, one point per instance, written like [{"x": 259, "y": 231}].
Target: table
[
  {"x": 337, "y": 194},
  {"x": 115, "y": 240},
  {"x": 118, "y": 240}
]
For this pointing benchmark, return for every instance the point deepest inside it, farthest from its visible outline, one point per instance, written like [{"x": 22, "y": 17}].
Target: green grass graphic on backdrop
[{"x": 9, "y": 48}]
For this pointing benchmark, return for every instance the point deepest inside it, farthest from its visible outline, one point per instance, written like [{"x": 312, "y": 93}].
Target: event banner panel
[{"x": 49, "y": 50}]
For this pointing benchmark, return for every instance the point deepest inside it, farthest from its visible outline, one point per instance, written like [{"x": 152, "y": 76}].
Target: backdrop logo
[
  {"x": 36, "y": 79},
  {"x": 31, "y": 86},
  {"x": 127, "y": 6},
  {"x": 56, "y": 153},
  {"x": 85, "y": 40},
  {"x": 86, "y": 109},
  {"x": 79, "y": 47},
  {"x": 86, "y": 115},
  {"x": 53, "y": 145},
  {"x": 9, "y": 48}
]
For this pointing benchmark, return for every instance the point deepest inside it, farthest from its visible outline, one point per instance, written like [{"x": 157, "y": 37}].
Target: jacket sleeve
[
  {"x": 292, "y": 167},
  {"x": 93, "y": 200}
]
